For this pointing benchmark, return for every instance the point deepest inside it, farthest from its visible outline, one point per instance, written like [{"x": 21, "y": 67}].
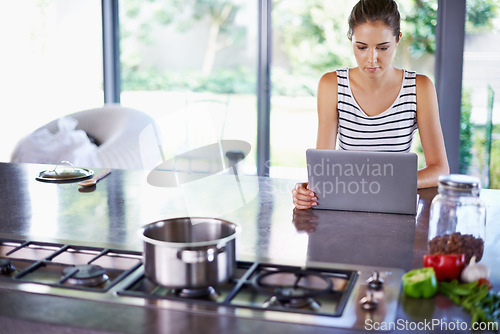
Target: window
[
  {"x": 192, "y": 66},
  {"x": 480, "y": 136},
  {"x": 51, "y": 64},
  {"x": 183, "y": 59}
]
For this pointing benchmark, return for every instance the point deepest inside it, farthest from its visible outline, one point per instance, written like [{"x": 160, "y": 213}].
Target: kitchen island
[{"x": 110, "y": 214}]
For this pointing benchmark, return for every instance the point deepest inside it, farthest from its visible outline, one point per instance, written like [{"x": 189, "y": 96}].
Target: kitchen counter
[{"x": 110, "y": 214}]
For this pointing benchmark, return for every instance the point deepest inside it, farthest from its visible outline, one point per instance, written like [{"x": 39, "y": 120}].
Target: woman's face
[{"x": 374, "y": 45}]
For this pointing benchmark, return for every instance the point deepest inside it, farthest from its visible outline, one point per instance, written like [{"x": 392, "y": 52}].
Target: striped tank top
[{"x": 390, "y": 131}]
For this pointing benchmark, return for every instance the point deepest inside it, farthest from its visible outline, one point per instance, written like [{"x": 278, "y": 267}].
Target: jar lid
[{"x": 459, "y": 182}]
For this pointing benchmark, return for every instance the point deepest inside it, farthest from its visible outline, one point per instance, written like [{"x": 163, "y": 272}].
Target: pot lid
[{"x": 64, "y": 174}]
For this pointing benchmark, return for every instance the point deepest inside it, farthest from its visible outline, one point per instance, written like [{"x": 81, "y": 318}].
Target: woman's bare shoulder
[
  {"x": 424, "y": 82},
  {"x": 425, "y": 88},
  {"x": 329, "y": 78},
  {"x": 328, "y": 83}
]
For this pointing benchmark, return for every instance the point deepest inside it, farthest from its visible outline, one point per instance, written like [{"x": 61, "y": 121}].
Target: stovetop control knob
[
  {"x": 368, "y": 302},
  {"x": 375, "y": 282}
]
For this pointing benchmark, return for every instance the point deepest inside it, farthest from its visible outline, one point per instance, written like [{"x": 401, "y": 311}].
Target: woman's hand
[{"x": 303, "y": 198}]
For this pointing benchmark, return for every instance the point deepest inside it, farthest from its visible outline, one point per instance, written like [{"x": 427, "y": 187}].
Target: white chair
[{"x": 127, "y": 137}]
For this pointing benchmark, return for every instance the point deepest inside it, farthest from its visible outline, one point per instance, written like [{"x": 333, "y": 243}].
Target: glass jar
[{"x": 457, "y": 220}]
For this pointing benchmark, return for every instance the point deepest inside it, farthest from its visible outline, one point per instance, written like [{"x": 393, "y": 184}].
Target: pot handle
[{"x": 198, "y": 256}]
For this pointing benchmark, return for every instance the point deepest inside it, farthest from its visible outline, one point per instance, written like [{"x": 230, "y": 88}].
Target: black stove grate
[
  {"x": 240, "y": 291},
  {"x": 52, "y": 263}
]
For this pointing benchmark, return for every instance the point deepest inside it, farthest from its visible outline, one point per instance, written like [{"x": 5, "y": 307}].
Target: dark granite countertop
[{"x": 110, "y": 214}]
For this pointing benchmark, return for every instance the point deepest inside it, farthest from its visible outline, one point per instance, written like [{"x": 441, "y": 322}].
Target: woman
[{"x": 376, "y": 106}]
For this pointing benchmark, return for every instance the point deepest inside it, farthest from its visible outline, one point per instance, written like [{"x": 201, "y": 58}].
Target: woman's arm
[
  {"x": 303, "y": 198},
  {"x": 327, "y": 111},
  {"x": 431, "y": 135}
]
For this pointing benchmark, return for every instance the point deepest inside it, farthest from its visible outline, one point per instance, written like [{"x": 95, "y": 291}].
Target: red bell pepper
[
  {"x": 484, "y": 281},
  {"x": 446, "y": 266}
]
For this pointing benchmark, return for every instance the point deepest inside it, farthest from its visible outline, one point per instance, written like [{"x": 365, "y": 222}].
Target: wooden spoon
[{"x": 95, "y": 179}]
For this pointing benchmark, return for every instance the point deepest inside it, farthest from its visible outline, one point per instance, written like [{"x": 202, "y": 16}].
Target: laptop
[{"x": 363, "y": 181}]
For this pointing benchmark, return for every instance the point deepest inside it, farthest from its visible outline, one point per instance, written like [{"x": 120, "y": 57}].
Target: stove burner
[
  {"x": 295, "y": 303},
  {"x": 85, "y": 275},
  {"x": 292, "y": 289},
  {"x": 208, "y": 293},
  {"x": 6, "y": 266}
]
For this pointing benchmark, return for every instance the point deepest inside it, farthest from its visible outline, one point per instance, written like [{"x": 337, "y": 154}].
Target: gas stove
[{"x": 318, "y": 294}]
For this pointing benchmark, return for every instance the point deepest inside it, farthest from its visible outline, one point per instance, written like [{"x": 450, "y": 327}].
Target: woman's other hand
[{"x": 303, "y": 198}]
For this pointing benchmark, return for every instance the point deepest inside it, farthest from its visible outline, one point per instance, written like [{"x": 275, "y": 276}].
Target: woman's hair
[{"x": 385, "y": 11}]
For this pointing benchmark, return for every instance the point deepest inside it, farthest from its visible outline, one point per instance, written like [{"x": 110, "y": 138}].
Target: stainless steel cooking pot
[{"x": 189, "y": 252}]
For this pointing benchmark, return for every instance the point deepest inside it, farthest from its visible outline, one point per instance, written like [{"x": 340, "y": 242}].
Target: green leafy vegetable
[{"x": 483, "y": 304}]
